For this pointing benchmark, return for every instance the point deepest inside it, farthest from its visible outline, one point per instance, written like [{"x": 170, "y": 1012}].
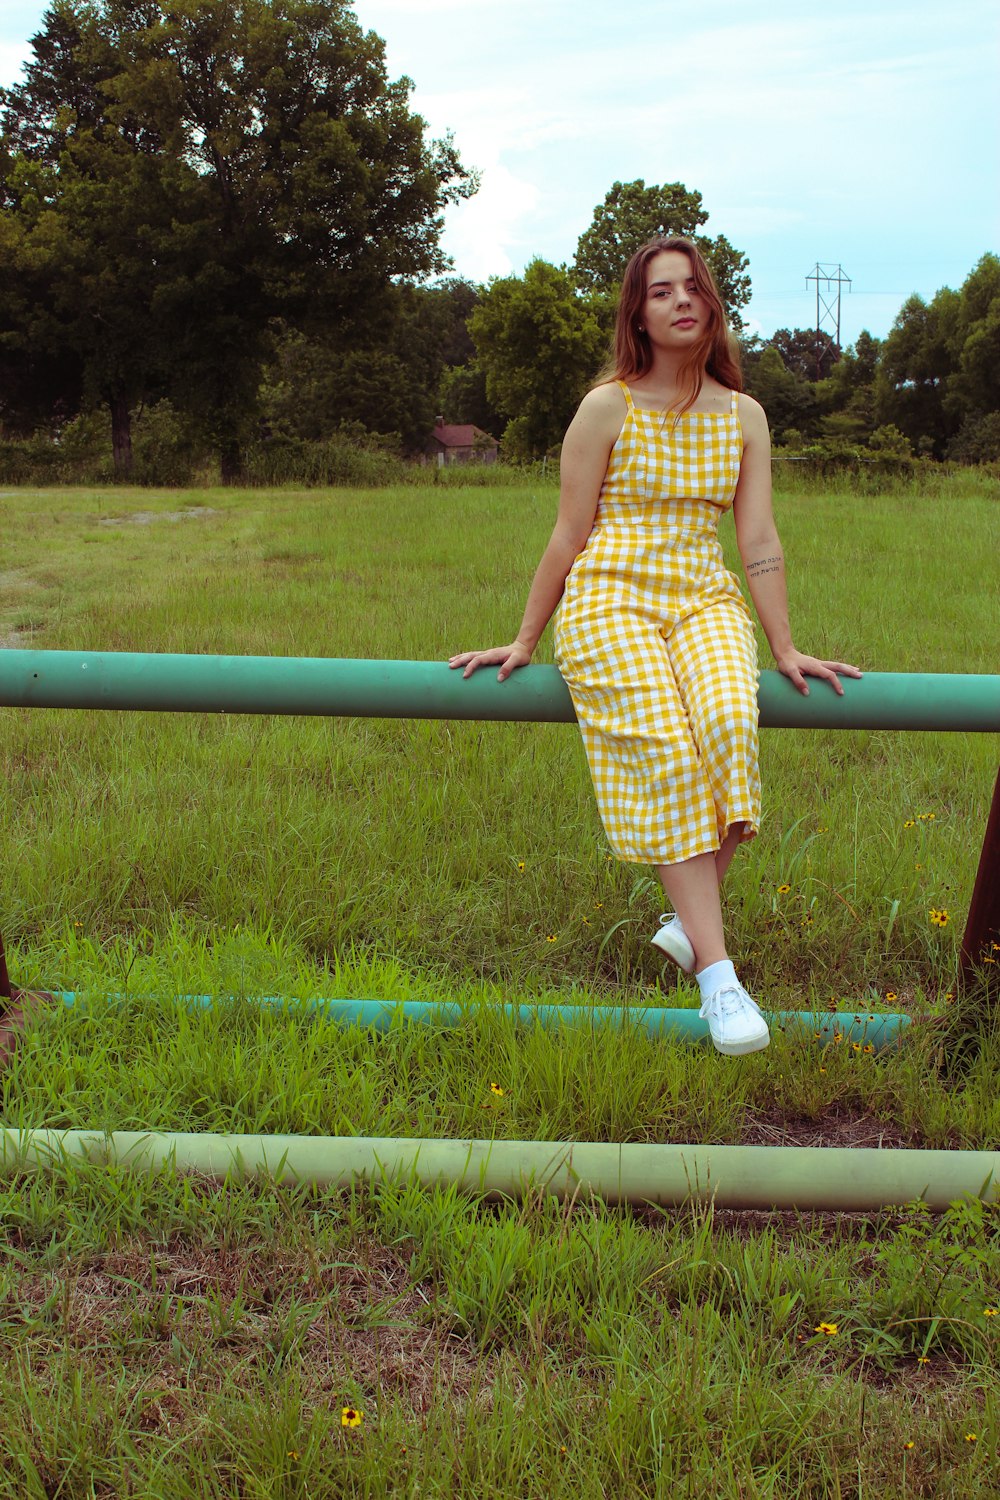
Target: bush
[{"x": 977, "y": 440}]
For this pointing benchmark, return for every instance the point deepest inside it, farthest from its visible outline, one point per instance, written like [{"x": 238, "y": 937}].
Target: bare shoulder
[
  {"x": 601, "y": 412},
  {"x": 753, "y": 417}
]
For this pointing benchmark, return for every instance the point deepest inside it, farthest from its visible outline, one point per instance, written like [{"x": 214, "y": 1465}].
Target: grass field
[{"x": 174, "y": 1338}]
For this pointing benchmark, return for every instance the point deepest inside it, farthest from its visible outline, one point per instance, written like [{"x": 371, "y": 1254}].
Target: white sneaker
[
  {"x": 735, "y": 1021},
  {"x": 674, "y": 941}
]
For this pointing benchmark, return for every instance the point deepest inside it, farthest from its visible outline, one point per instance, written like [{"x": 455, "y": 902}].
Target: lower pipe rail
[
  {"x": 870, "y": 1029},
  {"x": 744, "y": 1177}
]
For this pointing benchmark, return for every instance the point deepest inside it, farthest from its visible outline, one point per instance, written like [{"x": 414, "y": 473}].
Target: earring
[{"x": 641, "y": 329}]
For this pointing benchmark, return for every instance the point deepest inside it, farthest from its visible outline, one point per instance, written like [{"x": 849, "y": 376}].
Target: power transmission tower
[{"x": 830, "y": 302}]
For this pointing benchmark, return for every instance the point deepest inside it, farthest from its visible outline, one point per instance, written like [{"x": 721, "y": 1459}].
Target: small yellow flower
[
  {"x": 552, "y": 938},
  {"x": 828, "y": 1328},
  {"x": 931, "y": 817},
  {"x": 855, "y": 1046},
  {"x": 585, "y": 921},
  {"x": 868, "y": 1047},
  {"x": 293, "y": 1455},
  {"x": 350, "y": 1417},
  {"x": 990, "y": 1312},
  {"x": 496, "y": 1089},
  {"x": 563, "y": 1449},
  {"x": 823, "y": 829},
  {"x": 971, "y": 1437},
  {"x": 918, "y": 867},
  {"x": 520, "y": 864},
  {"x": 995, "y": 947},
  {"x": 807, "y": 920},
  {"x": 822, "y": 1070},
  {"x": 923, "y": 1359},
  {"x": 838, "y": 1036},
  {"x": 783, "y": 889},
  {"x": 910, "y": 1444},
  {"x": 909, "y": 823},
  {"x": 949, "y": 998},
  {"x": 891, "y": 996},
  {"x": 598, "y": 905},
  {"x": 939, "y": 916}
]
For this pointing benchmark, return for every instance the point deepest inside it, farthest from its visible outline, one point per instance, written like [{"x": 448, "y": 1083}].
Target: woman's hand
[
  {"x": 509, "y": 657},
  {"x": 793, "y": 663}
]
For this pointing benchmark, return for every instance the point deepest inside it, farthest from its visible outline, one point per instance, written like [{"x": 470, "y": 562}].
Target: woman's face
[{"x": 674, "y": 312}]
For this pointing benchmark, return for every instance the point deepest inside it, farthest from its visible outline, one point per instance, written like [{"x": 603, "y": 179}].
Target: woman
[{"x": 654, "y": 638}]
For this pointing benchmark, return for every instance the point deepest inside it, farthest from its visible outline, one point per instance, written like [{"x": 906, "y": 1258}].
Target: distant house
[{"x": 460, "y": 443}]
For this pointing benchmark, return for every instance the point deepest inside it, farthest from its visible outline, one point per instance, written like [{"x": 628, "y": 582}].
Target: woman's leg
[{"x": 692, "y": 888}]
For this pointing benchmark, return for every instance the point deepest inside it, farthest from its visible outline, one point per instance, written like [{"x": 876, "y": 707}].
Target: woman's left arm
[{"x": 763, "y": 559}]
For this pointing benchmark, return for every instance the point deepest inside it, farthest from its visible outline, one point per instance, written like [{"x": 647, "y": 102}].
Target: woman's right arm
[{"x": 583, "y": 463}]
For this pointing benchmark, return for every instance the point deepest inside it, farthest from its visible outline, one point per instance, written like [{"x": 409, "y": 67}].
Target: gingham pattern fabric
[{"x": 656, "y": 643}]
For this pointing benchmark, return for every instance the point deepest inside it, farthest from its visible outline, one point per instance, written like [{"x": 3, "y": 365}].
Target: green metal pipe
[
  {"x": 804, "y": 1177},
  {"x": 431, "y": 690},
  {"x": 683, "y": 1024}
]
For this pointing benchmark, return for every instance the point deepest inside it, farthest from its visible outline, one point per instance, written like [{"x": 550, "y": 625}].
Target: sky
[{"x": 862, "y": 135}]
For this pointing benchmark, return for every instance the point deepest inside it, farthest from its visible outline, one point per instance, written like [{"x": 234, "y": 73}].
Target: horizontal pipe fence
[{"x": 188, "y": 683}]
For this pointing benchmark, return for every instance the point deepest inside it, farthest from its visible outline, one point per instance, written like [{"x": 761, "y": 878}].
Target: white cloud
[{"x": 479, "y": 231}]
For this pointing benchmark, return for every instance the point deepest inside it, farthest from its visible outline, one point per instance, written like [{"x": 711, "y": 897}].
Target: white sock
[{"x": 715, "y": 976}]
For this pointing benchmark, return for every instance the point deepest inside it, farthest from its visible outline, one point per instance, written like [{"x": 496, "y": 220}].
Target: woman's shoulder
[
  {"x": 608, "y": 396},
  {"x": 751, "y": 413}
]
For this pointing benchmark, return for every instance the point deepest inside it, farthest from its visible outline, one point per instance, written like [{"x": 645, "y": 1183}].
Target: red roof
[{"x": 459, "y": 434}]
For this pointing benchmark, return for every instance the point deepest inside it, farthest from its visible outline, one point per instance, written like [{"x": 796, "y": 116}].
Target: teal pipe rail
[
  {"x": 761, "y": 1177},
  {"x": 879, "y": 1031},
  {"x": 431, "y": 690}
]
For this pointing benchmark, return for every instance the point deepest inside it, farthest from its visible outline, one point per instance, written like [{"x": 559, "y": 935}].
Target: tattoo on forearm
[{"x": 763, "y": 565}]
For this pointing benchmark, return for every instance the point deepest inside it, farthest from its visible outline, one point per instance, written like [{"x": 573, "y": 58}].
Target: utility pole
[{"x": 831, "y": 277}]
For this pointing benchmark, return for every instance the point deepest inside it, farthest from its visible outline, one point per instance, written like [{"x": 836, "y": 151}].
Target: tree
[
  {"x": 540, "y": 346},
  {"x": 808, "y": 354},
  {"x": 383, "y": 372},
  {"x": 787, "y": 399},
  {"x": 633, "y": 213},
  {"x": 295, "y": 179},
  {"x": 917, "y": 359}
]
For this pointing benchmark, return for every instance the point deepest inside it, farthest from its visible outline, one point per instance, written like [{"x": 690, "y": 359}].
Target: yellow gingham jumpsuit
[{"x": 656, "y": 642}]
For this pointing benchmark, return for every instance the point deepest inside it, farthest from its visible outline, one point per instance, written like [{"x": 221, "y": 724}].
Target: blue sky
[{"x": 864, "y": 134}]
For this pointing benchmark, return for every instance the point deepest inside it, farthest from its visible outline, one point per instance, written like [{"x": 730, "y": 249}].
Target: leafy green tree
[
  {"x": 917, "y": 359},
  {"x": 787, "y": 399},
  {"x": 462, "y": 397},
  {"x": 808, "y": 354},
  {"x": 295, "y": 179},
  {"x": 540, "y": 346},
  {"x": 382, "y": 372},
  {"x": 633, "y": 213}
]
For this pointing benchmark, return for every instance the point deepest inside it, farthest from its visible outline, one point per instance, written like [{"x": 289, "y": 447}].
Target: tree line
[{"x": 226, "y": 211}]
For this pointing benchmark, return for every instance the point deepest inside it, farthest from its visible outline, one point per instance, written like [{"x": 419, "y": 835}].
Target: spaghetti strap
[
  {"x": 736, "y": 403},
  {"x": 627, "y": 393}
]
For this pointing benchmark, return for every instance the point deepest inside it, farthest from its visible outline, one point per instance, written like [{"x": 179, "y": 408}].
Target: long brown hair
[{"x": 716, "y": 352}]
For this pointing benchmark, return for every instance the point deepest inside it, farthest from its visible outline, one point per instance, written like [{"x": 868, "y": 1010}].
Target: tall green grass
[
  {"x": 467, "y": 848},
  {"x": 169, "y": 1337}
]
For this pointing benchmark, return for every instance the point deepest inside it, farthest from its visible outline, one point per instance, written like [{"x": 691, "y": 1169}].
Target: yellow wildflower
[
  {"x": 496, "y": 1089},
  {"x": 350, "y": 1417},
  {"x": 868, "y": 1047},
  {"x": 890, "y": 995},
  {"x": 990, "y": 1312},
  {"x": 552, "y": 938},
  {"x": 520, "y": 864},
  {"x": 971, "y": 1437},
  {"x": 783, "y": 889},
  {"x": 828, "y": 1328},
  {"x": 909, "y": 823}
]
